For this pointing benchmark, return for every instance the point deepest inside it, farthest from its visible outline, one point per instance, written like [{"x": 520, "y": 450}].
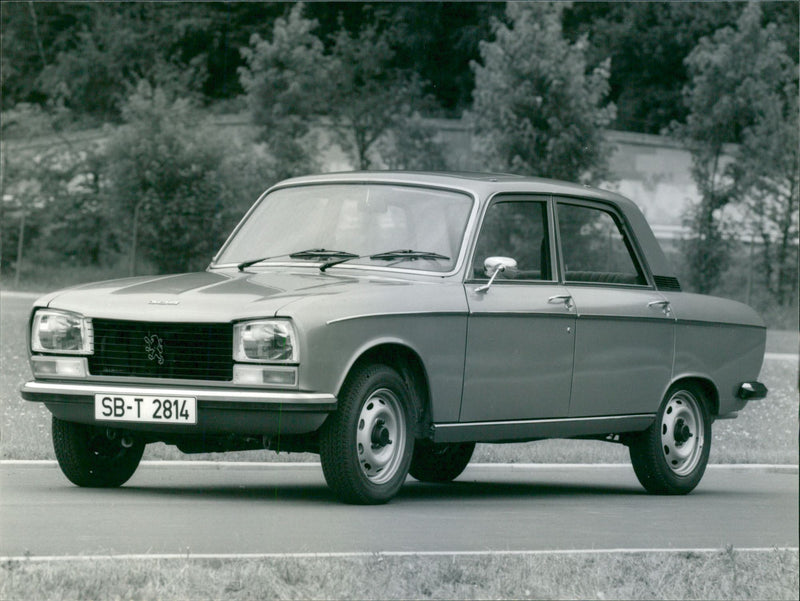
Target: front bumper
[{"x": 219, "y": 410}]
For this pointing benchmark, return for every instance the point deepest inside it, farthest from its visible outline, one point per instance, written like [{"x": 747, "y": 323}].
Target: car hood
[{"x": 198, "y": 297}]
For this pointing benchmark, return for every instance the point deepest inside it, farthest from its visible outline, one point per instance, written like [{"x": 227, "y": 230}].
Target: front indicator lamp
[
  {"x": 59, "y": 367},
  {"x": 265, "y": 375}
]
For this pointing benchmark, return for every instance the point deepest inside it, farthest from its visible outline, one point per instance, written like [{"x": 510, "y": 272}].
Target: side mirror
[{"x": 494, "y": 265}]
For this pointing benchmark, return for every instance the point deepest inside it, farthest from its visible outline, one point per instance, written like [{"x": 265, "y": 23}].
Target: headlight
[
  {"x": 267, "y": 340},
  {"x": 61, "y": 332}
]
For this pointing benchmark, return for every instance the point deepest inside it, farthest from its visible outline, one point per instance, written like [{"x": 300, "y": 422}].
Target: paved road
[{"x": 228, "y": 509}]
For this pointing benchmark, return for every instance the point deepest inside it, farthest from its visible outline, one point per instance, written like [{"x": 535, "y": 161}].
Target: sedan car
[{"x": 389, "y": 321}]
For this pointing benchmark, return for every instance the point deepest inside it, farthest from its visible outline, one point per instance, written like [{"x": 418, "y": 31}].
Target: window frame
[
  {"x": 507, "y": 197},
  {"x": 630, "y": 241}
]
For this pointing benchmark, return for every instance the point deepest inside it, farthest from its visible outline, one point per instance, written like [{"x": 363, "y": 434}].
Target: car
[{"x": 389, "y": 321}]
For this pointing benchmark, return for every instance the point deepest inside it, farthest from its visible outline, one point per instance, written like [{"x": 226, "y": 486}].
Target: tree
[
  {"x": 767, "y": 176},
  {"x": 283, "y": 78},
  {"x": 743, "y": 90},
  {"x": 368, "y": 98},
  {"x": 535, "y": 109},
  {"x": 352, "y": 89}
]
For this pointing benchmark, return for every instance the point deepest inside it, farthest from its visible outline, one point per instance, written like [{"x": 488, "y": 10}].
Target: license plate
[{"x": 151, "y": 409}]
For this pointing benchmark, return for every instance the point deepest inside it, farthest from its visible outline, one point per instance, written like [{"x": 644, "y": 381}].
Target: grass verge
[{"x": 723, "y": 574}]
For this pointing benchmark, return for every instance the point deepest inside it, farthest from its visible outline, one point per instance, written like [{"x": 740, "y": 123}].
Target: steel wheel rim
[
  {"x": 381, "y": 436},
  {"x": 682, "y": 433}
]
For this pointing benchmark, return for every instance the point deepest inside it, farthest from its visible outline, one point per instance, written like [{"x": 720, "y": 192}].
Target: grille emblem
[{"x": 154, "y": 347}]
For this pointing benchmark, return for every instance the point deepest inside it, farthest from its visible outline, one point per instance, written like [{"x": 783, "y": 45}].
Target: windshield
[{"x": 362, "y": 220}]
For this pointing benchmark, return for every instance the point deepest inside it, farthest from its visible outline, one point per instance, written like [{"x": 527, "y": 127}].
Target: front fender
[{"x": 437, "y": 339}]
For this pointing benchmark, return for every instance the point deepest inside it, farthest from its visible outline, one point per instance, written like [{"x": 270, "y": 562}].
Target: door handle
[
  {"x": 664, "y": 304},
  {"x": 561, "y": 298}
]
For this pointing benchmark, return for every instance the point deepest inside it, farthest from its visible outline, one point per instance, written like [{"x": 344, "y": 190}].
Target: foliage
[
  {"x": 765, "y": 171},
  {"x": 535, "y": 110},
  {"x": 282, "y": 78},
  {"x": 57, "y": 192},
  {"x": 646, "y": 42},
  {"x": 89, "y": 56},
  {"x": 707, "y": 250},
  {"x": 32, "y": 36},
  {"x": 294, "y": 84},
  {"x": 743, "y": 90},
  {"x": 162, "y": 173},
  {"x": 438, "y": 41},
  {"x": 368, "y": 98},
  {"x": 101, "y": 61}
]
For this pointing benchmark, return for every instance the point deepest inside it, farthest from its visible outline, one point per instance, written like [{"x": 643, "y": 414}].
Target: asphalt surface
[{"x": 260, "y": 508}]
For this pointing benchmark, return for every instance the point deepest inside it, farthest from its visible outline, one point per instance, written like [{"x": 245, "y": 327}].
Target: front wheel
[
  {"x": 95, "y": 457},
  {"x": 366, "y": 445},
  {"x": 670, "y": 457}
]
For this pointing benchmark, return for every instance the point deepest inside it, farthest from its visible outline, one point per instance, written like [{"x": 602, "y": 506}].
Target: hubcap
[
  {"x": 381, "y": 436},
  {"x": 682, "y": 433}
]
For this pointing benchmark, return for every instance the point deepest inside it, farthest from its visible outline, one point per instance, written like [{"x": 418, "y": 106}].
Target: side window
[
  {"x": 515, "y": 229},
  {"x": 595, "y": 248}
]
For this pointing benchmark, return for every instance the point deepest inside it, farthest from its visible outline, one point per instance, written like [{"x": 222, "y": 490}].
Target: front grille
[{"x": 183, "y": 351}]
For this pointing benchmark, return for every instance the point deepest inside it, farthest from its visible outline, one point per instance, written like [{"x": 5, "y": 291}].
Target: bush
[{"x": 163, "y": 175}]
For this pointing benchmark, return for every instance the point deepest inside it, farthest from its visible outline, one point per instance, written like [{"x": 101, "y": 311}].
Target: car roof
[{"x": 481, "y": 184}]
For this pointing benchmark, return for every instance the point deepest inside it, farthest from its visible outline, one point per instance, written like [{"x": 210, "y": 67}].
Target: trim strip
[
  {"x": 640, "y": 318},
  {"x": 714, "y": 324},
  {"x": 401, "y": 314},
  {"x": 559, "y": 420},
  {"x": 533, "y": 314}
]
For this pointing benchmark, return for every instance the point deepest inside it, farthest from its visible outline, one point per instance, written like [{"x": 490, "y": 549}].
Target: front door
[{"x": 520, "y": 338}]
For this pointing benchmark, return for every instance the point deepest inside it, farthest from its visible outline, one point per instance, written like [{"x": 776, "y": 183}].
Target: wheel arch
[
  {"x": 705, "y": 384},
  {"x": 409, "y": 365}
]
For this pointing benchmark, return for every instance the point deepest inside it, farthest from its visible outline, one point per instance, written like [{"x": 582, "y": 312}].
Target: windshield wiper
[
  {"x": 245, "y": 264},
  {"x": 312, "y": 253},
  {"x": 409, "y": 255},
  {"x": 322, "y": 253},
  {"x": 403, "y": 255}
]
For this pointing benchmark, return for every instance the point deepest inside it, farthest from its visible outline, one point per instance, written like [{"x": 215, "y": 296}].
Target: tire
[
  {"x": 670, "y": 457},
  {"x": 366, "y": 445},
  {"x": 439, "y": 462},
  {"x": 89, "y": 457}
]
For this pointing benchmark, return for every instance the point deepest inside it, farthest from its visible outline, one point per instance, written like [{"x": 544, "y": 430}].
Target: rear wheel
[
  {"x": 95, "y": 457},
  {"x": 670, "y": 457},
  {"x": 366, "y": 445},
  {"x": 440, "y": 462}
]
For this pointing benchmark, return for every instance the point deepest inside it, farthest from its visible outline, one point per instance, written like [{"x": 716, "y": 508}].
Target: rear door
[
  {"x": 625, "y": 329},
  {"x": 518, "y": 362}
]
